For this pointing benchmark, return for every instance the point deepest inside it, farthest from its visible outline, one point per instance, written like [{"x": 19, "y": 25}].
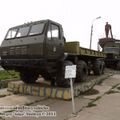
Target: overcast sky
[{"x": 76, "y": 16}]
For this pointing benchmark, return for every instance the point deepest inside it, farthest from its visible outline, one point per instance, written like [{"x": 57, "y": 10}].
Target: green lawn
[{"x": 8, "y": 74}]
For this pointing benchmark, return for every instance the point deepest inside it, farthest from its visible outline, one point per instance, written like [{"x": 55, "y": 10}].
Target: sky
[{"x": 76, "y": 17}]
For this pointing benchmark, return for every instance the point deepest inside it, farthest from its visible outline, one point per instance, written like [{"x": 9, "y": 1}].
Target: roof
[
  {"x": 103, "y": 41},
  {"x": 34, "y": 22}
]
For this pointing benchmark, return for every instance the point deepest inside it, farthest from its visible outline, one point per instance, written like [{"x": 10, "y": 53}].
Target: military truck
[
  {"x": 111, "y": 47},
  {"x": 41, "y": 48}
]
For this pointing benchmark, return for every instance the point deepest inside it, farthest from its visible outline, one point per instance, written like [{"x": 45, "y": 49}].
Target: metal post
[
  {"x": 91, "y": 35},
  {"x": 72, "y": 94}
]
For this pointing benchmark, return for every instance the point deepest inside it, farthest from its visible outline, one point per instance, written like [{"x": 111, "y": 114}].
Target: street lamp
[{"x": 92, "y": 30}]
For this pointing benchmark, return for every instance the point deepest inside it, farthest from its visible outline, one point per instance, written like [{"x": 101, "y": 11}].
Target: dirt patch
[
  {"x": 118, "y": 88},
  {"x": 91, "y": 92}
]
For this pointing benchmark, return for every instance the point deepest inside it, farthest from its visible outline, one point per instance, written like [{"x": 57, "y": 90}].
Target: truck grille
[{"x": 19, "y": 50}]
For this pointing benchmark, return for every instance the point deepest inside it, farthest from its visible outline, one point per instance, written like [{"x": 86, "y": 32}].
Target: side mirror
[{"x": 64, "y": 39}]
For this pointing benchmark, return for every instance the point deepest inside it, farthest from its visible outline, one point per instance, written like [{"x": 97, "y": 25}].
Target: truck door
[{"x": 54, "y": 41}]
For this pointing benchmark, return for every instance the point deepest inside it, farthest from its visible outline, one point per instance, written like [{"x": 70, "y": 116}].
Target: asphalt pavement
[{"x": 101, "y": 103}]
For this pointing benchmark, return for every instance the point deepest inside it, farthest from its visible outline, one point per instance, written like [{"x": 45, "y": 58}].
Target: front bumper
[{"x": 22, "y": 62}]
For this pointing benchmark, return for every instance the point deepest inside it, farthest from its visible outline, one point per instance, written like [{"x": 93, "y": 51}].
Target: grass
[
  {"x": 7, "y": 75},
  {"x": 112, "y": 92},
  {"x": 92, "y": 103},
  {"x": 4, "y": 75},
  {"x": 115, "y": 86}
]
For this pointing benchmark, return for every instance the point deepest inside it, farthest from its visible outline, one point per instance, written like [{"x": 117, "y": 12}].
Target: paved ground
[
  {"x": 101, "y": 103},
  {"x": 107, "y": 107}
]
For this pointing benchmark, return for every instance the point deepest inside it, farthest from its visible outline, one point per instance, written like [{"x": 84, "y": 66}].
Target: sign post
[{"x": 70, "y": 73}]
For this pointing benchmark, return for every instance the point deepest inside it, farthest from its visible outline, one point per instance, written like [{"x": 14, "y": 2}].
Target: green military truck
[
  {"x": 111, "y": 47},
  {"x": 41, "y": 48}
]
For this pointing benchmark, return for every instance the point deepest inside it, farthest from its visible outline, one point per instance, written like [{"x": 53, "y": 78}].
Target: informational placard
[{"x": 70, "y": 71}]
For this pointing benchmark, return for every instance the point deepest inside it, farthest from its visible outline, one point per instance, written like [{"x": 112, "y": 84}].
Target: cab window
[
  {"x": 37, "y": 29},
  {"x": 23, "y": 32},
  {"x": 53, "y": 32},
  {"x": 11, "y": 33}
]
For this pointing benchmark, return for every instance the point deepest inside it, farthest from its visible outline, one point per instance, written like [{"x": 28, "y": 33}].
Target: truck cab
[
  {"x": 32, "y": 48},
  {"x": 111, "y": 47},
  {"x": 36, "y": 40}
]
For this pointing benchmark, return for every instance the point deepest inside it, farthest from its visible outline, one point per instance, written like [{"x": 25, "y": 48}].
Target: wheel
[
  {"x": 82, "y": 71},
  {"x": 46, "y": 76},
  {"x": 118, "y": 65},
  {"x": 60, "y": 79},
  {"x": 98, "y": 67},
  {"x": 103, "y": 67},
  {"x": 28, "y": 76},
  {"x": 50, "y": 78}
]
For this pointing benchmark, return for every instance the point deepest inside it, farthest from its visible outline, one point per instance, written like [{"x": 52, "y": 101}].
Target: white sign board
[{"x": 70, "y": 71}]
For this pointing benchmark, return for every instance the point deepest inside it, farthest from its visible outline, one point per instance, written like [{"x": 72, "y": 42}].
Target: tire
[
  {"x": 118, "y": 65},
  {"x": 98, "y": 67},
  {"x": 28, "y": 77},
  {"x": 103, "y": 67},
  {"x": 60, "y": 79},
  {"x": 82, "y": 71}
]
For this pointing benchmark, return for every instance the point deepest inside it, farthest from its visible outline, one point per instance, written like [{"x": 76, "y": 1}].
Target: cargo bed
[{"x": 74, "y": 48}]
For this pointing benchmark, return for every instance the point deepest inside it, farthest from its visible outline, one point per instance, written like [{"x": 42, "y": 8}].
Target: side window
[
  {"x": 53, "y": 32},
  {"x": 49, "y": 34}
]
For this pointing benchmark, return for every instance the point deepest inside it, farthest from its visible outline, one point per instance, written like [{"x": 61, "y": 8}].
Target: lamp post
[{"x": 92, "y": 30}]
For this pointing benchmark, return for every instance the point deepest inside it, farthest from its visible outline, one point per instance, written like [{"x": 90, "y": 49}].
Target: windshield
[
  {"x": 36, "y": 29},
  {"x": 114, "y": 50},
  {"x": 23, "y": 31},
  {"x": 11, "y": 33}
]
